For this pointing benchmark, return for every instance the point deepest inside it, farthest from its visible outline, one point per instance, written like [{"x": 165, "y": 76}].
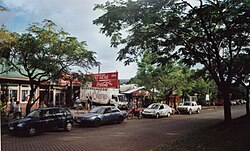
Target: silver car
[
  {"x": 157, "y": 110},
  {"x": 101, "y": 115}
]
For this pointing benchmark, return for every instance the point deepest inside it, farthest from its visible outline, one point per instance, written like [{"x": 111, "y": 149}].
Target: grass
[{"x": 234, "y": 136}]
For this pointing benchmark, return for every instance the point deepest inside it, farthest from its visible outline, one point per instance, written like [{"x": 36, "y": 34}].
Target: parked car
[
  {"x": 234, "y": 102},
  {"x": 42, "y": 120},
  {"x": 189, "y": 107},
  {"x": 101, "y": 115},
  {"x": 157, "y": 110}
]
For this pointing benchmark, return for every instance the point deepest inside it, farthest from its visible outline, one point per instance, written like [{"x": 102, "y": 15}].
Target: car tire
[
  {"x": 97, "y": 122},
  {"x": 68, "y": 126},
  {"x": 190, "y": 112},
  {"x": 130, "y": 116},
  {"x": 198, "y": 111},
  {"x": 32, "y": 131},
  {"x": 157, "y": 116},
  {"x": 168, "y": 115}
]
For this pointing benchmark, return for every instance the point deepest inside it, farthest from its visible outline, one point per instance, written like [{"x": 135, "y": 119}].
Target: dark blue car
[
  {"x": 101, "y": 115},
  {"x": 42, "y": 120}
]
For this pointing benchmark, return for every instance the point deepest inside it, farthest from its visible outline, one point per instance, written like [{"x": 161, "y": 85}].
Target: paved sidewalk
[{"x": 74, "y": 111}]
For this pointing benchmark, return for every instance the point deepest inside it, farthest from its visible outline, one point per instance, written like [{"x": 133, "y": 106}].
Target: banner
[{"x": 105, "y": 80}]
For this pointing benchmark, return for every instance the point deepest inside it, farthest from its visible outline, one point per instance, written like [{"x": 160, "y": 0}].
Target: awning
[{"x": 133, "y": 90}]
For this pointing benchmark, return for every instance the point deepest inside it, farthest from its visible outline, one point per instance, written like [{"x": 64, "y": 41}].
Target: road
[{"x": 132, "y": 135}]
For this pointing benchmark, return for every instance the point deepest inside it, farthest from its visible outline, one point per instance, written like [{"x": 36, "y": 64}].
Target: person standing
[
  {"x": 90, "y": 103},
  {"x": 77, "y": 104},
  {"x": 17, "y": 110}
]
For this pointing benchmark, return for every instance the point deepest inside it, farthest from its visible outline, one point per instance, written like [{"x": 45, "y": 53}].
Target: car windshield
[
  {"x": 35, "y": 113},
  {"x": 122, "y": 98},
  {"x": 153, "y": 106},
  {"x": 98, "y": 110}
]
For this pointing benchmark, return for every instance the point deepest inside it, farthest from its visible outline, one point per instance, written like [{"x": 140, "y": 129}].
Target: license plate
[{"x": 11, "y": 128}]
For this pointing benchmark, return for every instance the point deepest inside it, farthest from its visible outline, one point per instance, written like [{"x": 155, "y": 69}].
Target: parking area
[{"x": 135, "y": 134}]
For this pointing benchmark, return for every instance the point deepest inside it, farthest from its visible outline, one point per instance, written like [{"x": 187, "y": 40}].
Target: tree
[
  {"x": 170, "y": 78},
  {"x": 44, "y": 53},
  {"x": 214, "y": 33},
  {"x": 243, "y": 77},
  {"x": 2, "y": 8}
]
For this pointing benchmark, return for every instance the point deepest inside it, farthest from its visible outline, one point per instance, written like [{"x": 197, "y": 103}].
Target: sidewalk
[{"x": 74, "y": 111}]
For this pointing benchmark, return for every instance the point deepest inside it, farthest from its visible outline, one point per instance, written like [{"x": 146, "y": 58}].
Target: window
[{"x": 24, "y": 95}]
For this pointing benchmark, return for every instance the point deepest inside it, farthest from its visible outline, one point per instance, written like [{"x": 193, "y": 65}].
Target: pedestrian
[
  {"x": 12, "y": 104},
  {"x": 17, "y": 110},
  {"x": 77, "y": 104},
  {"x": 90, "y": 102},
  {"x": 131, "y": 104}
]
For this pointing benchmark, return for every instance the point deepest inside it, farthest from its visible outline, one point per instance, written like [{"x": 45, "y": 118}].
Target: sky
[{"x": 75, "y": 17}]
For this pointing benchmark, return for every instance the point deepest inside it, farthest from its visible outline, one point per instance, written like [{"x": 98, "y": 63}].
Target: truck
[
  {"x": 104, "y": 96},
  {"x": 189, "y": 107}
]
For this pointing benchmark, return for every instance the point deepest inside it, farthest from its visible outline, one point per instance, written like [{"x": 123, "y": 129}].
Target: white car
[{"x": 157, "y": 110}]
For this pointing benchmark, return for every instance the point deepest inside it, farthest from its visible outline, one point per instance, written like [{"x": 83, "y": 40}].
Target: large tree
[
  {"x": 43, "y": 53},
  {"x": 212, "y": 33}
]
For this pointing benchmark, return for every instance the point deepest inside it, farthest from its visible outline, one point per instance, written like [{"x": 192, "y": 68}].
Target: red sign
[{"x": 105, "y": 80}]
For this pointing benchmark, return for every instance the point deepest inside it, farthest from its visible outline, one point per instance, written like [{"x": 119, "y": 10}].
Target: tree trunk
[
  {"x": 29, "y": 104},
  {"x": 227, "y": 105},
  {"x": 247, "y": 100}
]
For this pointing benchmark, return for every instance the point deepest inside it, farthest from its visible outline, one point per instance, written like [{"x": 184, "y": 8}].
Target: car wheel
[
  {"x": 198, "y": 111},
  {"x": 130, "y": 116},
  {"x": 32, "y": 131},
  {"x": 190, "y": 112},
  {"x": 120, "y": 120},
  {"x": 68, "y": 127},
  {"x": 97, "y": 122},
  {"x": 168, "y": 114},
  {"x": 157, "y": 116}
]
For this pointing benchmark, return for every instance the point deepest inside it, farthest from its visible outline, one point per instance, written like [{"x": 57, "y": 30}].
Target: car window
[
  {"x": 153, "y": 106},
  {"x": 35, "y": 113},
  {"x": 98, "y": 110},
  {"x": 108, "y": 110},
  {"x": 115, "y": 110},
  {"x": 161, "y": 107},
  {"x": 50, "y": 112}
]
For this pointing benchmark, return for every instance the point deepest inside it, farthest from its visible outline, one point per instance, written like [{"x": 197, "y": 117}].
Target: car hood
[
  {"x": 88, "y": 115},
  {"x": 22, "y": 120}
]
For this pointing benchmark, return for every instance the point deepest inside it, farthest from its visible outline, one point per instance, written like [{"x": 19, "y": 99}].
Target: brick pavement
[{"x": 132, "y": 135}]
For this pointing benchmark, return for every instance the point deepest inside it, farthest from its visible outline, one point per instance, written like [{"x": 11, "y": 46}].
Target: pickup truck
[{"x": 189, "y": 107}]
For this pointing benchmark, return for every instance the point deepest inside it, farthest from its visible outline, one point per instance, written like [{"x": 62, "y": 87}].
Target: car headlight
[
  {"x": 20, "y": 125},
  {"x": 92, "y": 118}
]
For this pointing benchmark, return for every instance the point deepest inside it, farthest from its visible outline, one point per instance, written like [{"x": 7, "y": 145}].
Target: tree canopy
[
  {"x": 213, "y": 33},
  {"x": 43, "y": 53}
]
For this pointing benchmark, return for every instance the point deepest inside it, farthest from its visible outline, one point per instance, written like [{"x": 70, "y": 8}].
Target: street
[{"x": 131, "y": 135}]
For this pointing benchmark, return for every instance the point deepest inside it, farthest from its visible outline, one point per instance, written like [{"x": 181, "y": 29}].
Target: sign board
[
  {"x": 104, "y": 80},
  {"x": 207, "y": 97}
]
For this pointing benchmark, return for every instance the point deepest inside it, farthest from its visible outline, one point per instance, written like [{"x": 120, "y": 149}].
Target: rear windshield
[{"x": 187, "y": 103}]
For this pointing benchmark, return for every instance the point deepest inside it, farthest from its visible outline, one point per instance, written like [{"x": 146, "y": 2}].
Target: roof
[
  {"x": 10, "y": 74},
  {"x": 126, "y": 87},
  {"x": 133, "y": 90}
]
